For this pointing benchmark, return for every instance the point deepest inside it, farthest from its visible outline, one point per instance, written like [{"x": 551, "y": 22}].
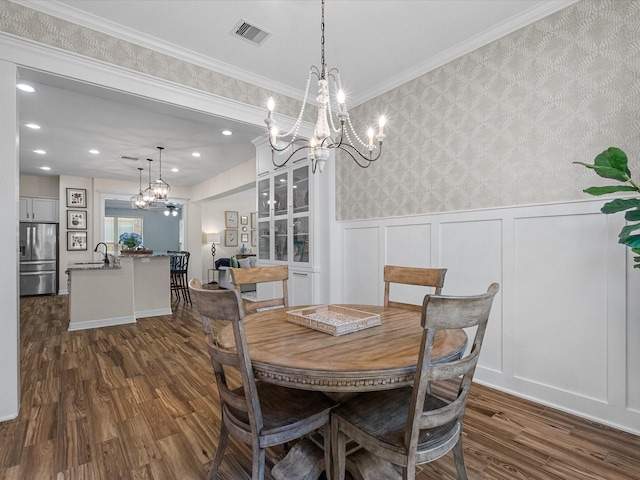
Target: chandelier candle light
[{"x": 320, "y": 145}]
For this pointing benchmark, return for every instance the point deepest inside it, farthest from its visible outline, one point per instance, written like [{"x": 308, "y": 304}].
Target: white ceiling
[{"x": 377, "y": 45}]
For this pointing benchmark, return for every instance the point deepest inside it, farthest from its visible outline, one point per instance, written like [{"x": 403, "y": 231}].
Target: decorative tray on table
[{"x": 333, "y": 319}]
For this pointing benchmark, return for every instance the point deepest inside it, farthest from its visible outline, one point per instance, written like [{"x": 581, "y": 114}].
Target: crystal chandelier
[
  {"x": 325, "y": 136},
  {"x": 160, "y": 187},
  {"x": 138, "y": 201}
]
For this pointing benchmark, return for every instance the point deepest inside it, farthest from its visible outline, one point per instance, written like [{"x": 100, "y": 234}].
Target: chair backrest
[
  {"x": 241, "y": 405},
  {"x": 243, "y": 276},
  {"x": 179, "y": 262},
  {"x": 426, "y": 277},
  {"x": 440, "y": 313}
]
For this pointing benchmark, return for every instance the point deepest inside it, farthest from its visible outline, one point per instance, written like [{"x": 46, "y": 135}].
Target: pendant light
[
  {"x": 148, "y": 194},
  {"x": 137, "y": 201},
  {"x": 160, "y": 187}
]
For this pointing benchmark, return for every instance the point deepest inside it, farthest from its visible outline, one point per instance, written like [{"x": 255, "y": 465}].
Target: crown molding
[
  {"x": 534, "y": 14},
  {"x": 73, "y": 15}
]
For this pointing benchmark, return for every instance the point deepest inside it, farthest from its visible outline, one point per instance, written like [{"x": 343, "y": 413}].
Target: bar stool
[{"x": 179, "y": 265}]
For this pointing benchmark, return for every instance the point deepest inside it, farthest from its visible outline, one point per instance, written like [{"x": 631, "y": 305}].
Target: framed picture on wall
[
  {"x": 231, "y": 219},
  {"x": 254, "y": 238},
  {"x": 231, "y": 238},
  {"x": 254, "y": 224},
  {"x": 244, "y": 220},
  {"x": 76, "y": 240},
  {"x": 77, "y": 197},
  {"x": 244, "y": 237},
  {"x": 76, "y": 220}
]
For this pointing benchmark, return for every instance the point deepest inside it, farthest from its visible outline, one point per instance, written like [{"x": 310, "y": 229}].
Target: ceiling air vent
[
  {"x": 124, "y": 157},
  {"x": 249, "y": 32}
]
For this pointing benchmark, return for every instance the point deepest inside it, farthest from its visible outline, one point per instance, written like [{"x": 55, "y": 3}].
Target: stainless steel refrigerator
[{"x": 38, "y": 258}]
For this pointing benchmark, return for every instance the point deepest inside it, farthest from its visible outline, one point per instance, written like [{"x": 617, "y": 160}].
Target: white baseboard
[
  {"x": 105, "y": 322},
  {"x": 153, "y": 313}
]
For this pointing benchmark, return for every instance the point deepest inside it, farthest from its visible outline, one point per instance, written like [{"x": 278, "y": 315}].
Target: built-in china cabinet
[{"x": 292, "y": 225}]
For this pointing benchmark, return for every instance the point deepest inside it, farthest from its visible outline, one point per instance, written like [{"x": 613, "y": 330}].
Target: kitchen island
[{"x": 134, "y": 286}]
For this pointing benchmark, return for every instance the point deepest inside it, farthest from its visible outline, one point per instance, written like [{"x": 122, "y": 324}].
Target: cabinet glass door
[
  {"x": 264, "y": 241},
  {"x": 280, "y": 234},
  {"x": 301, "y": 239},
  {"x": 280, "y": 191},
  {"x": 264, "y": 198},
  {"x": 300, "y": 190}
]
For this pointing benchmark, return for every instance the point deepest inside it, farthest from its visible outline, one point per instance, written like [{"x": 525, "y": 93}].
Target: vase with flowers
[{"x": 130, "y": 240}]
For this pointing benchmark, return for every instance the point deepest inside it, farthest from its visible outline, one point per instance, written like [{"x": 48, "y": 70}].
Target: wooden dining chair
[
  {"x": 243, "y": 276},
  {"x": 411, "y": 426},
  {"x": 257, "y": 413},
  {"x": 426, "y": 277}
]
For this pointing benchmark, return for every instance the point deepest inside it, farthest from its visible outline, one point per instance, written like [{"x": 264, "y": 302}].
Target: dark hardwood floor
[{"x": 139, "y": 402}]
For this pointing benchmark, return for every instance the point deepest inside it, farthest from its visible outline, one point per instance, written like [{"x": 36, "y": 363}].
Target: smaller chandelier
[
  {"x": 137, "y": 201},
  {"x": 148, "y": 195},
  {"x": 325, "y": 136},
  {"x": 160, "y": 187}
]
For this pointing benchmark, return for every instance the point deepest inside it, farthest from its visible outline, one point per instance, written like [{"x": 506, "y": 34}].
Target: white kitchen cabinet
[
  {"x": 35, "y": 209},
  {"x": 292, "y": 225}
]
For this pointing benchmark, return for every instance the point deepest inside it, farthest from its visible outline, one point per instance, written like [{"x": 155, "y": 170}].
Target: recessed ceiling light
[
  {"x": 45, "y": 168},
  {"x": 25, "y": 88},
  {"x": 175, "y": 170},
  {"x": 94, "y": 151},
  {"x": 34, "y": 126},
  {"x": 195, "y": 154},
  {"x": 39, "y": 152},
  {"x": 227, "y": 132}
]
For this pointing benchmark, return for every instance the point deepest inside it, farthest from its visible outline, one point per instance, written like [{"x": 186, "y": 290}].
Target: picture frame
[
  {"x": 254, "y": 220},
  {"x": 244, "y": 237},
  {"x": 231, "y": 238},
  {"x": 76, "y": 220},
  {"x": 76, "y": 241},
  {"x": 230, "y": 219},
  {"x": 244, "y": 220},
  {"x": 254, "y": 238},
  {"x": 77, "y": 197}
]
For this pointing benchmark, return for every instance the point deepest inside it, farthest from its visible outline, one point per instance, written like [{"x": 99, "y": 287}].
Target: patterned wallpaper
[
  {"x": 28, "y": 23},
  {"x": 500, "y": 126}
]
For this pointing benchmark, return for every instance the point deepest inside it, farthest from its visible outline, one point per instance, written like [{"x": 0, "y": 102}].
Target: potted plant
[
  {"x": 613, "y": 164},
  {"x": 131, "y": 240}
]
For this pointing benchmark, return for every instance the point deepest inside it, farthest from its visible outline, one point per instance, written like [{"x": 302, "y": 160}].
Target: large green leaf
[
  {"x": 630, "y": 240},
  {"x": 609, "y": 189},
  {"x": 607, "y": 172},
  {"x": 620, "y": 204},
  {"x": 615, "y": 158},
  {"x": 632, "y": 216}
]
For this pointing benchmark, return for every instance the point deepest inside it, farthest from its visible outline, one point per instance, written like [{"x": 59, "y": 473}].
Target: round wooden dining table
[{"x": 376, "y": 358}]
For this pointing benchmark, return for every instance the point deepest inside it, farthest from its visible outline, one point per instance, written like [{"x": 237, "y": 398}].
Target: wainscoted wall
[
  {"x": 561, "y": 331},
  {"x": 502, "y": 125}
]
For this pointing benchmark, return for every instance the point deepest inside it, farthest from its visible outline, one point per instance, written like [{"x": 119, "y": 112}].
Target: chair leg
[
  {"x": 257, "y": 468},
  {"x": 338, "y": 446},
  {"x": 222, "y": 445},
  {"x": 326, "y": 434},
  {"x": 458, "y": 458}
]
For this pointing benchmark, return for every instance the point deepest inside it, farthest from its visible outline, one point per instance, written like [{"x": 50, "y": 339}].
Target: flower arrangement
[{"x": 130, "y": 239}]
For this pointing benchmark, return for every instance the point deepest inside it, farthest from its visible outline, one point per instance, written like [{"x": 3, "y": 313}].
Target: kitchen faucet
[{"x": 106, "y": 257}]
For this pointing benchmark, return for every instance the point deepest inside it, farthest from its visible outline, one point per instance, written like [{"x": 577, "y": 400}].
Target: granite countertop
[
  {"x": 91, "y": 266},
  {"x": 144, "y": 255}
]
